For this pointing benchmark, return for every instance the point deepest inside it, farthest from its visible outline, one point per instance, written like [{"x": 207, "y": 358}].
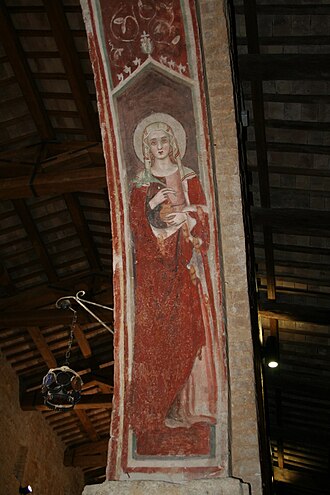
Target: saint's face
[{"x": 159, "y": 144}]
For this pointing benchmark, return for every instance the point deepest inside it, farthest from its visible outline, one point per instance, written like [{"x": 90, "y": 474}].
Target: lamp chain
[{"x": 73, "y": 324}]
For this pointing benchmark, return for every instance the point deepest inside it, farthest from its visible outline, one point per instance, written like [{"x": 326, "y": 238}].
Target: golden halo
[{"x": 177, "y": 128}]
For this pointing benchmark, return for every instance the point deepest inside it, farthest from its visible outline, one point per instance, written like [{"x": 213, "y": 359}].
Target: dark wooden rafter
[
  {"x": 82, "y": 341},
  {"x": 318, "y": 484},
  {"x": 292, "y": 218},
  {"x": 293, "y": 98},
  {"x": 87, "y": 424},
  {"x": 46, "y": 294},
  {"x": 44, "y": 184},
  {"x": 42, "y": 346},
  {"x": 314, "y": 149},
  {"x": 297, "y": 125},
  {"x": 81, "y": 456},
  {"x": 6, "y": 282},
  {"x": 31, "y": 401},
  {"x": 35, "y": 238},
  {"x": 294, "y": 312},
  {"x": 24, "y": 76},
  {"x": 289, "y": 40},
  {"x": 285, "y": 67},
  {"x": 251, "y": 23},
  {"x": 290, "y": 9},
  {"x": 70, "y": 58},
  {"x": 50, "y": 317},
  {"x": 81, "y": 225}
]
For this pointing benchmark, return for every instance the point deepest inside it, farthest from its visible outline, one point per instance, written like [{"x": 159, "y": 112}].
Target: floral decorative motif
[{"x": 140, "y": 29}]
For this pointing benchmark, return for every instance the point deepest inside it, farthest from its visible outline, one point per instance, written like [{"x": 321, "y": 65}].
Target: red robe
[{"x": 169, "y": 330}]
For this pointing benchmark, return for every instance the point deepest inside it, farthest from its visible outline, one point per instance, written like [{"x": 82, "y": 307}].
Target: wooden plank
[
  {"x": 251, "y": 24},
  {"x": 294, "y": 312},
  {"x": 70, "y": 58},
  {"x": 87, "y": 424},
  {"x": 261, "y": 143},
  {"x": 42, "y": 346},
  {"x": 293, "y": 98},
  {"x": 288, "y": 40},
  {"x": 48, "y": 184},
  {"x": 34, "y": 401},
  {"x": 16, "y": 56},
  {"x": 289, "y": 9},
  {"x": 35, "y": 238},
  {"x": 45, "y": 295},
  {"x": 285, "y": 67},
  {"x": 318, "y": 483},
  {"x": 82, "y": 341},
  {"x": 293, "y": 147},
  {"x": 51, "y": 317},
  {"x": 90, "y": 461},
  {"x": 6, "y": 283},
  {"x": 91, "y": 448},
  {"x": 83, "y": 231},
  {"x": 298, "y": 171},
  {"x": 297, "y": 125},
  {"x": 291, "y": 218}
]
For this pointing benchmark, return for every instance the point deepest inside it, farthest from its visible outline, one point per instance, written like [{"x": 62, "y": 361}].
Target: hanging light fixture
[
  {"x": 271, "y": 352},
  {"x": 61, "y": 387},
  {"x": 24, "y": 490}
]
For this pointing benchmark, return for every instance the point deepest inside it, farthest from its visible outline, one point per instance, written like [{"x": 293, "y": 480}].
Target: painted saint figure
[{"x": 173, "y": 379}]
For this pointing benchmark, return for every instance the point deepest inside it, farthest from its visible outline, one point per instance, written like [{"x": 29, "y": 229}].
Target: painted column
[{"x": 170, "y": 411}]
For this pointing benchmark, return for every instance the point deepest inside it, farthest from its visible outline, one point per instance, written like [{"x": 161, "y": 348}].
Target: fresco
[
  {"x": 169, "y": 223},
  {"x": 169, "y": 416}
]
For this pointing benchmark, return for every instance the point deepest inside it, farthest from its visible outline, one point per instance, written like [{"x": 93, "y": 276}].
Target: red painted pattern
[{"x": 138, "y": 29}]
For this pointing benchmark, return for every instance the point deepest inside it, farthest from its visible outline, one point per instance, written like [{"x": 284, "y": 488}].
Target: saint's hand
[
  {"x": 160, "y": 197},
  {"x": 176, "y": 219}
]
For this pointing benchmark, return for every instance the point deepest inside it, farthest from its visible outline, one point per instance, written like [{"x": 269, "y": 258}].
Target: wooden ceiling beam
[
  {"x": 47, "y": 184},
  {"x": 318, "y": 483},
  {"x": 290, "y": 9},
  {"x": 82, "y": 341},
  {"x": 42, "y": 346},
  {"x": 83, "y": 231},
  {"x": 297, "y": 125},
  {"x": 288, "y": 40},
  {"x": 90, "y": 461},
  {"x": 285, "y": 67},
  {"x": 32, "y": 401},
  {"x": 87, "y": 424},
  {"x": 297, "y": 171},
  {"x": 35, "y": 238},
  {"x": 51, "y": 317},
  {"x": 294, "y": 312},
  {"x": 293, "y": 98},
  {"x": 46, "y": 294},
  {"x": 6, "y": 282},
  {"x": 70, "y": 58},
  {"x": 313, "y": 388},
  {"x": 90, "y": 448},
  {"x": 291, "y": 218},
  {"x": 314, "y": 149},
  {"x": 261, "y": 143},
  {"x": 16, "y": 56}
]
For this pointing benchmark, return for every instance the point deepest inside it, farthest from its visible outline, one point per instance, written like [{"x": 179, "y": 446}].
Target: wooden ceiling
[
  {"x": 284, "y": 67},
  {"x": 55, "y": 234}
]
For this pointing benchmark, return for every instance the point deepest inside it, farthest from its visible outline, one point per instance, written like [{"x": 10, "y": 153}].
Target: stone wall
[{"x": 30, "y": 449}]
